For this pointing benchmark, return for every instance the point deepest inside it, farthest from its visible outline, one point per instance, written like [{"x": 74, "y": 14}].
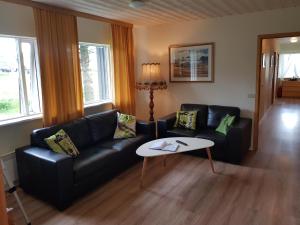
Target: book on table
[{"x": 164, "y": 146}]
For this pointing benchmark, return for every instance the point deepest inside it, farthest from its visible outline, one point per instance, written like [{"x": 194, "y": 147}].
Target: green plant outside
[{"x": 9, "y": 106}]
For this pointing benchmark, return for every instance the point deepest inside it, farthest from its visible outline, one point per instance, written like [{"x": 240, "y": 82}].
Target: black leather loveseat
[
  {"x": 230, "y": 148},
  {"x": 58, "y": 178}
]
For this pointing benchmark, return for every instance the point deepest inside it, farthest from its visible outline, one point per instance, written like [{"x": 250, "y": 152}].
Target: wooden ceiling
[{"x": 170, "y": 11}]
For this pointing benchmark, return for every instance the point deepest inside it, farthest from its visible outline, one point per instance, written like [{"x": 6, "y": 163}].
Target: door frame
[{"x": 258, "y": 78}]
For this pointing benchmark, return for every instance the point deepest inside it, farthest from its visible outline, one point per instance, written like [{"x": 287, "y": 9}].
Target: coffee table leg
[
  {"x": 143, "y": 171},
  {"x": 210, "y": 159}
]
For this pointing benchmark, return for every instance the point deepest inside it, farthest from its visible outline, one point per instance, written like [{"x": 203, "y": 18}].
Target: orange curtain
[
  {"x": 57, "y": 39},
  {"x": 122, "y": 40}
]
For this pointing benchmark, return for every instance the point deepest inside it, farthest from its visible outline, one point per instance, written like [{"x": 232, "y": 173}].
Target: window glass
[
  {"x": 95, "y": 72},
  {"x": 289, "y": 65},
  {"x": 9, "y": 79},
  {"x": 19, "y": 84}
]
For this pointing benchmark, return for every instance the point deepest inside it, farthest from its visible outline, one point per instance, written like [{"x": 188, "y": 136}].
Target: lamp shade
[{"x": 151, "y": 78}]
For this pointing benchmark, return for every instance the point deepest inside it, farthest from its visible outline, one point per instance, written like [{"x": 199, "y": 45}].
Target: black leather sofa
[
  {"x": 229, "y": 148},
  {"x": 58, "y": 178}
]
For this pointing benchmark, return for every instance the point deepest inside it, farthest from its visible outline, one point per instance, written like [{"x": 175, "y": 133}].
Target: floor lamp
[{"x": 151, "y": 80}]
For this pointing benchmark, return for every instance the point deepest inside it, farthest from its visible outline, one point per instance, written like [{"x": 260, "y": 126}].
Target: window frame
[
  {"x": 27, "y": 115},
  {"x": 281, "y": 57},
  {"x": 110, "y": 74}
]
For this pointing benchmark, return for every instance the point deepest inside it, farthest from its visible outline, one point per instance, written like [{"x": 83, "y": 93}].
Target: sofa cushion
[
  {"x": 225, "y": 124},
  {"x": 60, "y": 142},
  {"x": 38, "y": 136},
  {"x": 128, "y": 144},
  {"x": 181, "y": 132},
  {"x": 201, "y": 121},
  {"x": 102, "y": 125},
  {"x": 216, "y": 113},
  {"x": 210, "y": 134},
  {"x": 126, "y": 126},
  {"x": 91, "y": 160},
  {"x": 77, "y": 130},
  {"x": 186, "y": 119}
]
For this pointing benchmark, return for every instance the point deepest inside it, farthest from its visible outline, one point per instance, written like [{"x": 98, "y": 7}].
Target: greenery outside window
[
  {"x": 20, "y": 93},
  {"x": 95, "y": 61}
]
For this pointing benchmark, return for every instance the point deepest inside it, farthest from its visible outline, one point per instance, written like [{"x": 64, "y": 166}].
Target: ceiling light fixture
[
  {"x": 294, "y": 40},
  {"x": 136, "y": 4}
]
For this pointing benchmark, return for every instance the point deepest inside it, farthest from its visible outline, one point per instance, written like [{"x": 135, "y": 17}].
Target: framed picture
[{"x": 191, "y": 63}]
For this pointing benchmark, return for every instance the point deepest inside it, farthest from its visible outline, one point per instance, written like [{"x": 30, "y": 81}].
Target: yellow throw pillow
[
  {"x": 62, "y": 143},
  {"x": 186, "y": 119},
  {"x": 126, "y": 126}
]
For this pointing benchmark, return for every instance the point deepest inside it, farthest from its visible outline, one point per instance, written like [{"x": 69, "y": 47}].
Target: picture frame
[{"x": 191, "y": 62}]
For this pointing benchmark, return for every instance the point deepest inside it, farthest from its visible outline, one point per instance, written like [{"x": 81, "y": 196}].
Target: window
[
  {"x": 95, "y": 72},
  {"x": 19, "y": 78},
  {"x": 289, "y": 65}
]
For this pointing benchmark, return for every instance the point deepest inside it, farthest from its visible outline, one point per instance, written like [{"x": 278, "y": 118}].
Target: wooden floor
[{"x": 264, "y": 190}]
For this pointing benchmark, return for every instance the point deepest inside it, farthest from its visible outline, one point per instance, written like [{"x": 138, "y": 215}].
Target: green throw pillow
[
  {"x": 61, "y": 143},
  {"x": 225, "y": 124},
  {"x": 126, "y": 126},
  {"x": 186, "y": 119}
]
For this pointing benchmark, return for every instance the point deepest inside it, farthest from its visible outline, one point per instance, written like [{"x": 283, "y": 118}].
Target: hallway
[
  {"x": 279, "y": 156},
  {"x": 264, "y": 190}
]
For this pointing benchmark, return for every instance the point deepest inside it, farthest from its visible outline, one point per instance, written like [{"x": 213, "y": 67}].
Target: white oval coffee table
[{"x": 193, "y": 144}]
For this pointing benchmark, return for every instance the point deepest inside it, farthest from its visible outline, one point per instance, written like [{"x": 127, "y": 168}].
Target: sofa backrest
[
  {"x": 201, "y": 121},
  {"x": 102, "y": 125},
  {"x": 216, "y": 113},
  {"x": 78, "y": 130}
]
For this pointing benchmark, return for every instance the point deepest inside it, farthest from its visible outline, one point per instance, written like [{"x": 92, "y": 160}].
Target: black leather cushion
[
  {"x": 77, "y": 130},
  {"x": 91, "y": 160},
  {"x": 219, "y": 150},
  {"x": 218, "y": 138},
  {"x": 79, "y": 133},
  {"x": 38, "y": 136},
  {"x": 128, "y": 144},
  {"x": 102, "y": 125},
  {"x": 201, "y": 121},
  {"x": 216, "y": 113},
  {"x": 181, "y": 132}
]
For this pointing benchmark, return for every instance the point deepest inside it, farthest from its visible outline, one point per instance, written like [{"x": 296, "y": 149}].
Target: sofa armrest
[
  {"x": 146, "y": 127},
  {"x": 165, "y": 123},
  {"x": 239, "y": 140},
  {"x": 46, "y": 174}
]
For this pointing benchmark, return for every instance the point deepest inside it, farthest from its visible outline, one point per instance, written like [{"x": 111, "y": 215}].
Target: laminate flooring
[{"x": 263, "y": 190}]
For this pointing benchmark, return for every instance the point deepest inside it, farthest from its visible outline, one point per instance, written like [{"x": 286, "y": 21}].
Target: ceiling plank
[
  {"x": 156, "y": 12},
  {"x": 67, "y": 11}
]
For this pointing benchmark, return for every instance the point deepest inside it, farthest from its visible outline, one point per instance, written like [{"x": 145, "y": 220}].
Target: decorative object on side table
[
  {"x": 151, "y": 80},
  {"x": 191, "y": 63}
]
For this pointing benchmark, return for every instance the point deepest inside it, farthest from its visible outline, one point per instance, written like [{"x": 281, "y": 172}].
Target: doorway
[{"x": 271, "y": 81}]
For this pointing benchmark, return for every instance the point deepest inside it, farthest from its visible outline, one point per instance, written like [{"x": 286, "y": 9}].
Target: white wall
[
  {"x": 16, "y": 20},
  {"x": 235, "y": 40},
  {"x": 93, "y": 31}
]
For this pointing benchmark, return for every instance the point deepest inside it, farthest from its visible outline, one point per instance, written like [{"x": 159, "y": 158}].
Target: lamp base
[{"x": 151, "y": 105}]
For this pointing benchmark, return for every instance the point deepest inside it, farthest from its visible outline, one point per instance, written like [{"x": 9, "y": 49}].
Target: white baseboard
[{"x": 10, "y": 167}]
